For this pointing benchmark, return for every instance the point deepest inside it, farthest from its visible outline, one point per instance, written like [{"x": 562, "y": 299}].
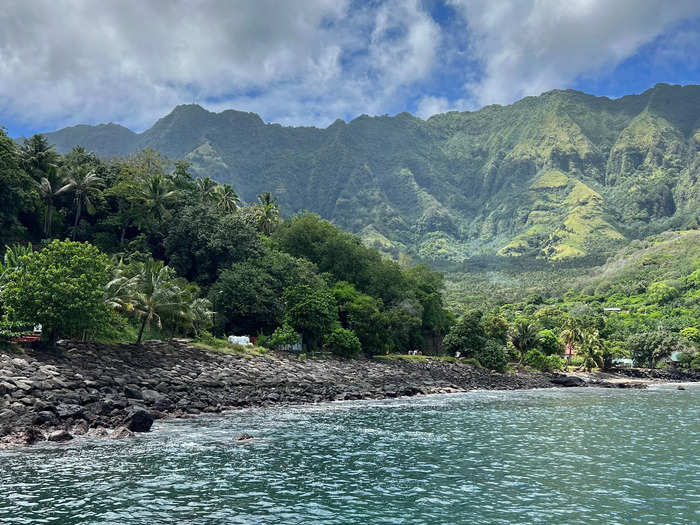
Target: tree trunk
[
  {"x": 77, "y": 218},
  {"x": 143, "y": 325},
  {"x": 123, "y": 234},
  {"x": 49, "y": 215}
]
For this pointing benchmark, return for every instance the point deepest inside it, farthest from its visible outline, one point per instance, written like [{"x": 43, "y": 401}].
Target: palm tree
[
  {"x": 572, "y": 334},
  {"x": 156, "y": 295},
  {"x": 524, "y": 337},
  {"x": 202, "y": 315},
  {"x": 13, "y": 259},
  {"x": 158, "y": 193},
  {"x": 38, "y": 157},
  {"x": 47, "y": 195},
  {"x": 227, "y": 200},
  {"x": 84, "y": 184},
  {"x": 591, "y": 350},
  {"x": 206, "y": 187},
  {"x": 269, "y": 212}
]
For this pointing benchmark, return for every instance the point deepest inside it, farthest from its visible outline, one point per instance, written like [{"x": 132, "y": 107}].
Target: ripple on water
[{"x": 547, "y": 456}]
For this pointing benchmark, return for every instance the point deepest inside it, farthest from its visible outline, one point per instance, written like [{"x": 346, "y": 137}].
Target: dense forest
[
  {"x": 137, "y": 247},
  {"x": 113, "y": 250}
]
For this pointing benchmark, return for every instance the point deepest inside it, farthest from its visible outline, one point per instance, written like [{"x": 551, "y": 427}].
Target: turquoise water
[{"x": 546, "y": 456}]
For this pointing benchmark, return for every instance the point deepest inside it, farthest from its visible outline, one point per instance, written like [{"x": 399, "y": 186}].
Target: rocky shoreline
[{"x": 114, "y": 390}]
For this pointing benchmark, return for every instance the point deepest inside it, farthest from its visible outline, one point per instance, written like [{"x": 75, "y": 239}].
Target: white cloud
[
  {"x": 300, "y": 62},
  {"x": 308, "y": 62},
  {"x": 429, "y": 106},
  {"x": 529, "y": 46}
]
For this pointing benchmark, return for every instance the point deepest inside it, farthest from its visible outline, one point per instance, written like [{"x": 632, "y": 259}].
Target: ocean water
[{"x": 545, "y": 456}]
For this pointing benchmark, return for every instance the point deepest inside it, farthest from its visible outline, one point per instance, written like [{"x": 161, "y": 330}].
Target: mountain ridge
[{"x": 562, "y": 175}]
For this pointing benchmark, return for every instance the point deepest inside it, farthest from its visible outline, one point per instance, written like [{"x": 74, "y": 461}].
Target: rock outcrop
[{"x": 88, "y": 389}]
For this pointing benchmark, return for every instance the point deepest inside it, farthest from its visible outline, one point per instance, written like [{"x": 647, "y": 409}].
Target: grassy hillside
[{"x": 562, "y": 176}]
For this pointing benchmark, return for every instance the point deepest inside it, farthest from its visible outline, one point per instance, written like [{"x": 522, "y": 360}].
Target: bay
[{"x": 565, "y": 456}]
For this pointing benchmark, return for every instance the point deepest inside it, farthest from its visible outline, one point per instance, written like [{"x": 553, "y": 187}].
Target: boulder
[
  {"x": 44, "y": 417},
  {"x": 138, "y": 420},
  {"x": 65, "y": 410},
  {"x": 132, "y": 391},
  {"x": 568, "y": 381},
  {"x": 59, "y": 436},
  {"x": 151, "y": 396},
  {"x": 6, "y": 415}
]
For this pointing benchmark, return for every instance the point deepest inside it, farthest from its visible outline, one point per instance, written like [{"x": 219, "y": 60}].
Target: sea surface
[{"x": 543, "y": 456}]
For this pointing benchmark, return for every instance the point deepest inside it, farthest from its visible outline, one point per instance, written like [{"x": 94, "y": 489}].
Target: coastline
[{"x": 114, "y": 390}]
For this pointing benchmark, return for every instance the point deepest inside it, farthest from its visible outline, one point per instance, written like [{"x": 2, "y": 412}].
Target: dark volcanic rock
[
  {"x": 69, "y": 411},
  {"x": 567, "y": 381},
  {"x": 138, "y": 420},
  {"x": 88, "y": 388},
  {"x": 44, "y": 417}
]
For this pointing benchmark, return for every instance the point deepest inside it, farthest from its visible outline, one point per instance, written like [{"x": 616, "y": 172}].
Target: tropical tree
[
  {"x": 85, "y": 185},
  {"x": 202, "y": 315},
  {"x": 572, "y": 334},
  {"x": 14, "y": 258},
  {"x": 38, "y": 157},
  {"x": 311, "y": 312},
  {"x": 269, "y": 212},
  {"x": 14, "y": 195},
  {"x": 47, "y": 193},
  {"x": 227, "y": 200},
  {"x": 467, "y": 335},
  {"x": 591, "y": 349},
  {"x": 206, "y": 189},
  {"x": 60, "y": 287},
  {"x": 154, "y": 294},
  {"x": 157, "y": 193},
  {"x": 524, "y": 337}
]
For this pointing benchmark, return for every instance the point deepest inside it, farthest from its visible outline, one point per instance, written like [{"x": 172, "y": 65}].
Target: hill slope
[{"x": 561, "y": 176}]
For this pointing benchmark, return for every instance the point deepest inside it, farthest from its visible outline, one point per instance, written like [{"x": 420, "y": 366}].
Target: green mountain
[{"x": 562, "y": 176}]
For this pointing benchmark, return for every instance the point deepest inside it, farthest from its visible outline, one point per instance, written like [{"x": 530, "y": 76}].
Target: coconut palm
[
  {"x": 85, "y": 184},
  {"x": 38, "y": 157},
  {"x": 269, "y": 212},
  {"x": 227, "y": 200},
  {"x": 202, "y": 315},
  {"x": 524, "y": 337},
  {"x": 157, "y": 192},
  {"x": 156, "y": 295},
  {"x": 206, "y": 188},
  {"x": 47, "y": 193},
  {"x": 591, "y": 349}
]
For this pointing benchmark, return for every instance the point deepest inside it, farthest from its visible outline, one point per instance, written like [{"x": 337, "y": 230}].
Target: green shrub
[
  {"x": 536, "y": 359},
  {"x": 549, "y": 343},
  {"x": 283, "y": 336},
  {"x": 492, "y": 356},
  {"x": 555, "y": 363},
  {"x": 695, "y": 363},
  {"x": 544, "y": 363},
  {"x": 343, "y": 342}
]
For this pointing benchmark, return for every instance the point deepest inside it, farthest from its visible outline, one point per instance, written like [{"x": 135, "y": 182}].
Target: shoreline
[{"x": 115, "y": 390}]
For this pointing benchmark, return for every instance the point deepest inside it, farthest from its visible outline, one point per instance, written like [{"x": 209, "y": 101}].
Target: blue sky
[{"x": 308, "y": 62}]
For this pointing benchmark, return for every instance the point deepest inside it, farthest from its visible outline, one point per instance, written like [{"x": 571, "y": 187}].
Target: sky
[{"x": 309, "y": 62}]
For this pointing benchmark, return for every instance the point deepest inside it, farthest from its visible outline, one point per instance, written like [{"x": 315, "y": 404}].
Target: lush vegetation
[
  {"x": 129, "y": 248},
  {"x": 563, "y": 176},
  {"x": 643, "y": 304},
  {"x": 529, "y": 208}
]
